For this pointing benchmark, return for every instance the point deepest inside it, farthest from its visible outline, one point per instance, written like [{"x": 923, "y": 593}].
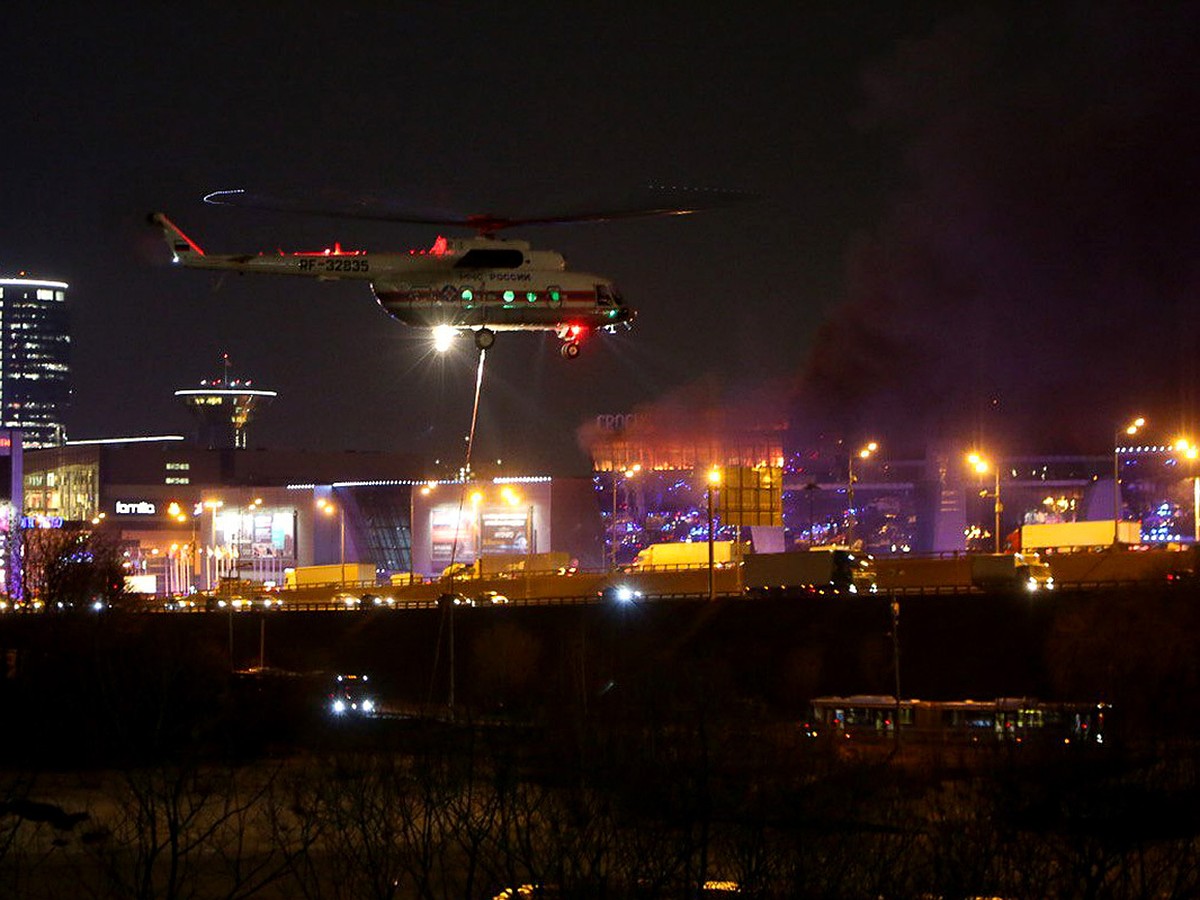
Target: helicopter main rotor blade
[
  {"x": 336, "y": 205},
  {"x": 657, "y": 202}
]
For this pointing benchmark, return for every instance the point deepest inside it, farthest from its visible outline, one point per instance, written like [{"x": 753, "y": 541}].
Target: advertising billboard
[
  {"x": 452, "y": 528},
  {"x": 505, "y": 530},
  {"x": 751, "y": 496},
  {"x": 258, "y": 534}
]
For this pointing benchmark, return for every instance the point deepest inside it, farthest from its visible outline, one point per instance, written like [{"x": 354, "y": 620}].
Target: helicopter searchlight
[
  {"x": 483, "y": 284},
  {"x": 443, "y": 337}
]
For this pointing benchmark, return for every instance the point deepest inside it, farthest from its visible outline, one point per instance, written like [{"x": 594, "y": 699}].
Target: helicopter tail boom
[
  {"x": 181, "y": 245},
  {"x": 324, "y": 265}
]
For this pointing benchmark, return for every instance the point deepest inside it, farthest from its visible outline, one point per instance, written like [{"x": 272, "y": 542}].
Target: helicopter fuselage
[{"x": 478, "y": 284}]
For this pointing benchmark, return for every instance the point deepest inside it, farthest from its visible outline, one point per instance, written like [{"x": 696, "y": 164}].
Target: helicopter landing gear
[
  {"x": 569, "y": 350},
  {"x": 484, "y": 338}
]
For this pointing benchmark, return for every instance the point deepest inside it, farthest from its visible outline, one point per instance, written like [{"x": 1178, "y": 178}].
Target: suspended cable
[{"x": 448, "y": 612}]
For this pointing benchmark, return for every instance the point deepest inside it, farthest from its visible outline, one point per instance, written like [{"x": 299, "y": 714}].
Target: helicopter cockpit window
[{"x": 491, "y": 259}]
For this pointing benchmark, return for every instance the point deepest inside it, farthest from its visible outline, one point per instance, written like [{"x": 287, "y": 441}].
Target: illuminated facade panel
[
  {"x": 70, "y": 490},
  {"x": 35, "y": 360}
]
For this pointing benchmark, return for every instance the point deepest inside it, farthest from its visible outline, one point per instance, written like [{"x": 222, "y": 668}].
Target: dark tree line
[
  {"x": 72, "y": 568},
  {"x": 466, "y": 812}
]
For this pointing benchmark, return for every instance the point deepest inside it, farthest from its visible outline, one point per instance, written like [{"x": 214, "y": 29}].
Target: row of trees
[
  {"x": 71, "y": 568},
  {"x": 464, "y": 815}
]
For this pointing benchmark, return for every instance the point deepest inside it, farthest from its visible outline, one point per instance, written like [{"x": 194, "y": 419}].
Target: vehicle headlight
[
  {"x": 339, "y": 706},
  {"x": 368, "y": 706}
]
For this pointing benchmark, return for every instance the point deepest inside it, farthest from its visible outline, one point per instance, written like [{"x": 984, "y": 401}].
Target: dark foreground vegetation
[
  {"x": 463, "y": 813},
  {"x": 595, "y": 756}
]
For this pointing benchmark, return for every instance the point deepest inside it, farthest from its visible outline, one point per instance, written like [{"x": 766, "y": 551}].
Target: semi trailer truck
[{"x": 827, "y": 570}]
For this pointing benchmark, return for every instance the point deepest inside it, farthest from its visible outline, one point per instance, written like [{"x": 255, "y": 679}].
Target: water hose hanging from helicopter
[{"x": 449, "y": 612}]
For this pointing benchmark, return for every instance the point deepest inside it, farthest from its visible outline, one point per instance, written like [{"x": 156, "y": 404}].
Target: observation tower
[{"x": 224, "y": 408}]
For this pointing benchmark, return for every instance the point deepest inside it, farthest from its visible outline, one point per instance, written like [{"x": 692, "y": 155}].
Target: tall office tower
[{"x": 35, "y": 359}]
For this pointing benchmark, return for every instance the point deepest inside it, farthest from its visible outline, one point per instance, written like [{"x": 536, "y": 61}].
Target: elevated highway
[
  {"x": 535, "y": 588},
  {"x": 898, "y": 575}
]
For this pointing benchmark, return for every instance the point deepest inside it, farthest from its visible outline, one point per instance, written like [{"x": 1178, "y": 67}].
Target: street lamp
[
  {"x": 477, "y": 524},
  {"x": 1191, "y": 451},
  {"x": 212, "y": 564},
  {"x": 629, "y": 473},
  {"x": 981, "y": 466},
  {"x": 896, "y": 670},
  {"x": 513, "y": 499},
  {"x": 180, "y": 553},
  {"x": 809, "y": 489},
  {"x": 329, "y": 508},
  {"x": 714, "y": 481},
  {"x": 426, "y": 490},
  {"x": 863, "y": 454},
  {"x": 1130, "y": 430}
]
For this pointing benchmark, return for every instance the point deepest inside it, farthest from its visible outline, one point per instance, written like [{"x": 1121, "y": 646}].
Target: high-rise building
[{"x": 35, "y": 359}]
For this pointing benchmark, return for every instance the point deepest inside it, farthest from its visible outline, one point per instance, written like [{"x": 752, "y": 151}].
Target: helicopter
[{"x": 482, "y": 284}]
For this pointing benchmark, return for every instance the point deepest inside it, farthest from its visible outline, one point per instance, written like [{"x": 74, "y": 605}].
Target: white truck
[
  {"x": 1010, "y": 572},
  {"x": 826, "y": 570},
  {"x": 683, "y": 555},
  {"x": 311, "y": 576},
  {"x": 1079, "y": 535}
]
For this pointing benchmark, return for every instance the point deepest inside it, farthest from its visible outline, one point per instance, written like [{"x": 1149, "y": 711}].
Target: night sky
[{"x": 971, "y": 223}]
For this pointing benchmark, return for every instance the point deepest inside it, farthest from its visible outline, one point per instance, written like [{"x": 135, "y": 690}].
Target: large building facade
[
  {"x": 650, "y": 482},
  {"x": 35, "y": 359},
  {"x": 187, "y": 516}
]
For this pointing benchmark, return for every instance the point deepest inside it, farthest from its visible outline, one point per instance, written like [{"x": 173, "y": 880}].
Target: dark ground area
[
  {"x": 100, "y": 679},
  {"x": 608, "y": 751}
]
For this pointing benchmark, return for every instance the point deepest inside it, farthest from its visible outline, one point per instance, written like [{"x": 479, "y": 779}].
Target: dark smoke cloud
[
  {"x": 1035, "y": 280},
  {"x": 712, "y": 411}
]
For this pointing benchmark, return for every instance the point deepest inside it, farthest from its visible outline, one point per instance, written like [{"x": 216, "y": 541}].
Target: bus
[{"x": 1015, "y": 719}]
